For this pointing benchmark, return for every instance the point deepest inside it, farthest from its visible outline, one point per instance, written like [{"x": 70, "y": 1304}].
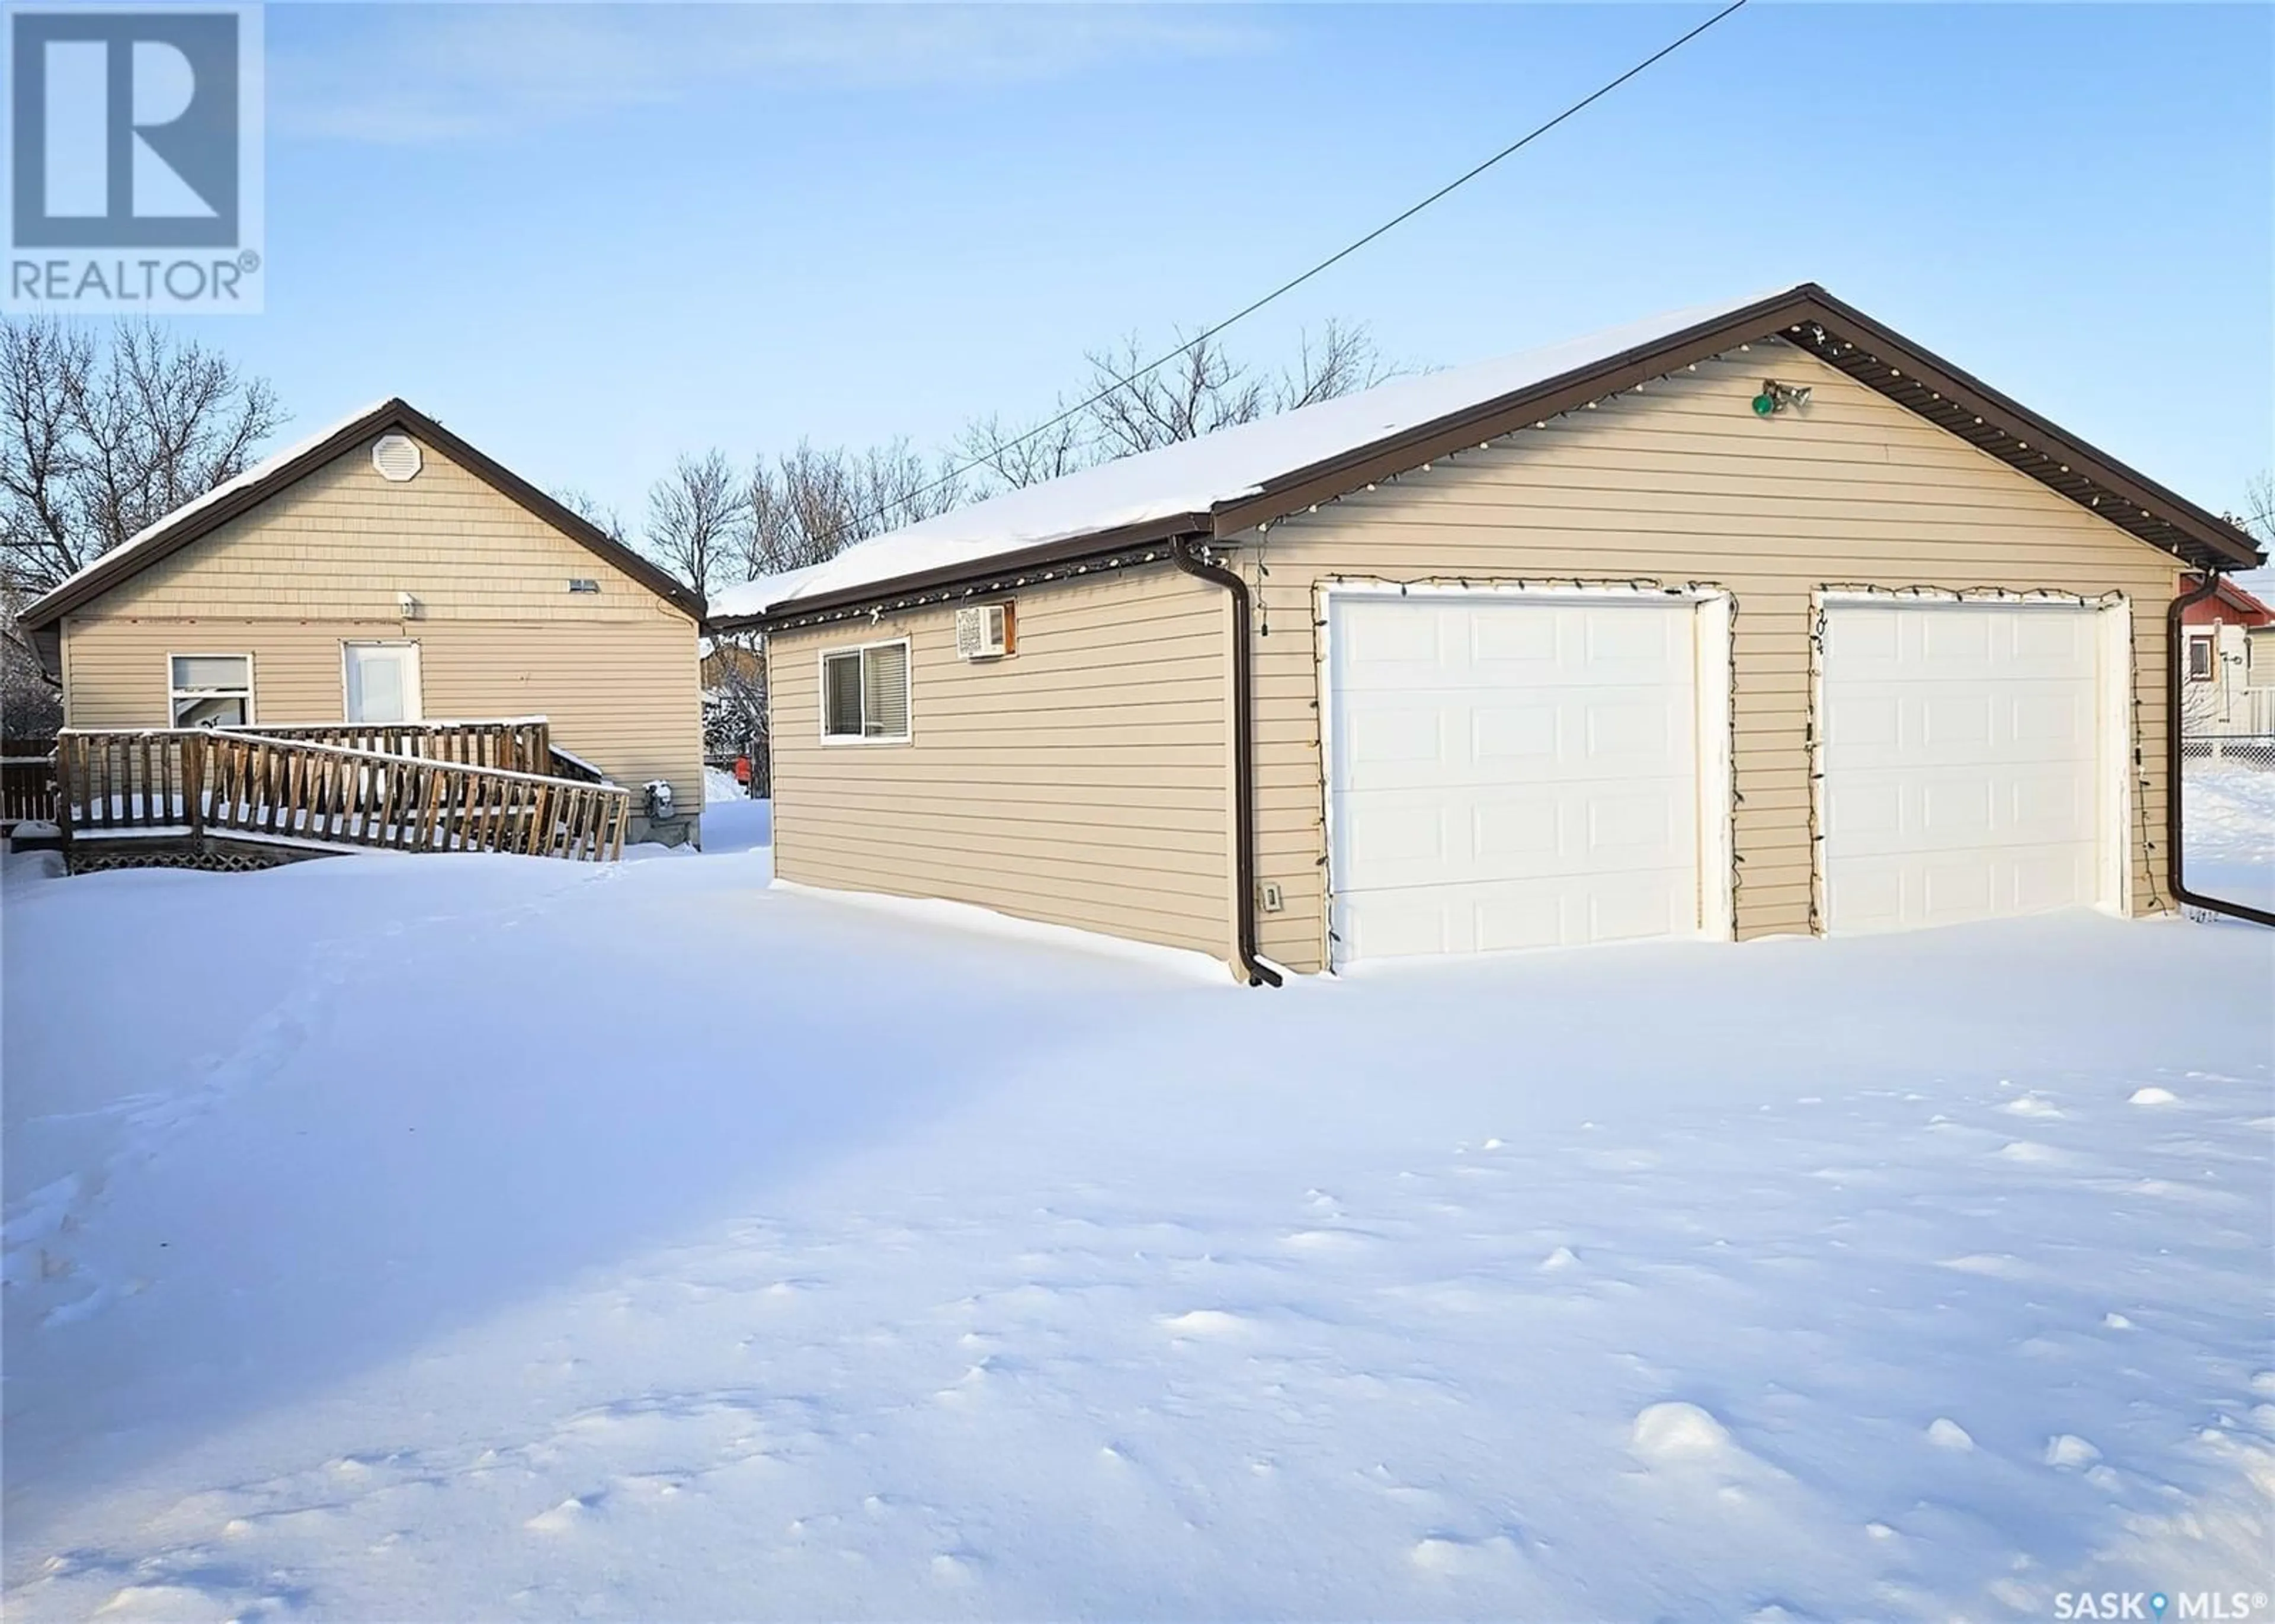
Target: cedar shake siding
[{"x": 323, "y": 562}]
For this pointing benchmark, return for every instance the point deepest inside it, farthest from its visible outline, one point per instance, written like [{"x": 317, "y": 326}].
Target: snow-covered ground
[
  {"x": 719, "y": 785},
  {"x": 2230, "y": 818},
  {"x": 480, "y": 1238}
]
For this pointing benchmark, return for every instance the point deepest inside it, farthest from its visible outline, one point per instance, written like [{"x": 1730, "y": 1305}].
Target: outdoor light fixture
[
  {"x": 408, "y": 604},
  {"x": 1777, "y": 396}
]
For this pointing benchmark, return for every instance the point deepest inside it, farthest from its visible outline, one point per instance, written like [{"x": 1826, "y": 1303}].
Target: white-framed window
[
  {"x": 381, "y": 680},
  {"x": 2201, "y": 662},
  {"x": 864, "y": 694},
  {"x": 209, "y": 690}
]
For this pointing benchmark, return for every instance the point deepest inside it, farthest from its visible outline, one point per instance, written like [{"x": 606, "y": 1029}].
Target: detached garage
[{"x": 1746, "y": 620}]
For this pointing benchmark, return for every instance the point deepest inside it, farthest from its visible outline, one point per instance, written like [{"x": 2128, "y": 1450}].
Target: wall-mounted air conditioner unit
[{"x": 986, "y": 631}]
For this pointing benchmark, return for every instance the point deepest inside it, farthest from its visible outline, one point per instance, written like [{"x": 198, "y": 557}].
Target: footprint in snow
[
  {"x": 2068, "y": 1449},
  {"x": 2031, "y": 1105},
  {"x": 2153, "y": 1096},
  {"x": 1562, "y": 1258},
  {"x": 84, "y": 1308},
  {"x": 1453, "y": 1555}
]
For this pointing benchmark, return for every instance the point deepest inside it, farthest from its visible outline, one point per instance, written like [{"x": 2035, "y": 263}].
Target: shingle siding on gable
[
  {"x": 342, "y": 542},
  {"x": 500, "y": 633}
]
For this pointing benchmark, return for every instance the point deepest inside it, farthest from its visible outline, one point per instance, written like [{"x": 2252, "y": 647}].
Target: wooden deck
[{"x": 178, "y": 794}]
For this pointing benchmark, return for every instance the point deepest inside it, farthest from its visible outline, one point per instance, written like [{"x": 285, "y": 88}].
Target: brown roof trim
[
  {"x": 1818, "y": 323},
  {"x": 1926, "y": 383},
  {"x": 1354, "y": 470},
  {"x": 124, "y": 564},
  {"x": 993, "y": 567},
  {"x": 1806, "y": 316}
]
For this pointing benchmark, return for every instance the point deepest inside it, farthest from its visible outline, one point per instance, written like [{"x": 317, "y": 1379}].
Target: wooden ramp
[{"x": 236, "y": 797}]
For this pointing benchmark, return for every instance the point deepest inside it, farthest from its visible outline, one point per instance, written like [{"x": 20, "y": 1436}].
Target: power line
[{"x": 1341, "y": 254}]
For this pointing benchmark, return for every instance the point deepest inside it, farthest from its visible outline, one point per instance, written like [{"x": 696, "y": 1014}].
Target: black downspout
[
  {"x": 2174, "y": 649},
  {"x": 1243, "y": 764}
]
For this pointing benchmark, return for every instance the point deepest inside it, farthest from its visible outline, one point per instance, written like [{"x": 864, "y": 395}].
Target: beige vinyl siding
[
  {"x": 499, "y": 632},
  {"x": 1083, "y": 780},
  {"x": 622, "y": 697},
  {"x": 1680, "y": 482},
  {"x": 342, "y": 543}
]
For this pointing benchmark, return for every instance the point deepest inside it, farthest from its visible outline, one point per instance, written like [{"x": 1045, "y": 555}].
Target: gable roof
[
  {"x": 2232, "y": 593},
  {"x": 274, "y": 473},
  {"x": 1221, "y": 484}
]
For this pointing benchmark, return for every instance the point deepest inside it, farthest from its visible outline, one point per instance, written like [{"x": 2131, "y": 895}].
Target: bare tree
[
  {"x": 798, "y": 504},
  {"x": 810, "y": 504},
  {"x": 30, "y": 705},
  {"x": 593, "y": 510},
  {"x": 893, "y": 487},
  {"x": 804, "y": 506},
  {"x": 1341, "y": 361},
  {"x": 735, "y": 702},
  {"x": 43, "y": 371},
  {"x": 1010, "y": 457},
  {"x": 1201, "y": 390},
  {"x": 100, "y": 438},
  {"x": 1127, "y": 408},
  {"x": 2258, "y": 514},
  {"x": 697, "y": 516}
]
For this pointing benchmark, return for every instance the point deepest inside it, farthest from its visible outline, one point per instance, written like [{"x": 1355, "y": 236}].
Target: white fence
[{"x": 2236, "y": 749}]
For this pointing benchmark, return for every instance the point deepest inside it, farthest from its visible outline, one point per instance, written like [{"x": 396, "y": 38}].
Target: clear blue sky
[{"x": 591, "y": 238}]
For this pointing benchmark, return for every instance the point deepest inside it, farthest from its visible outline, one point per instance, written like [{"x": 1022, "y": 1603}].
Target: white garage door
[
  {"x": 1511, "y": 772},
  {"x": 1963, "y": 763}
]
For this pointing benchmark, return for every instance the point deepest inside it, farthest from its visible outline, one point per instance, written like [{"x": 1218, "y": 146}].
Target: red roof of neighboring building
[{"x": 2230, "y": 606}]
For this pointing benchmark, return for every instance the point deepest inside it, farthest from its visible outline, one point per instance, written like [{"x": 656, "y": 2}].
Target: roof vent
[{"x": 396, "y": 457}]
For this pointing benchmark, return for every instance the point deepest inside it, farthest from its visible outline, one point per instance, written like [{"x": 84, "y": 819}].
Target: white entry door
[
  {"x": 1965, "y": 772},
  {"x": 383, "y": 682},
  {"x": 1513, "y": 772}
]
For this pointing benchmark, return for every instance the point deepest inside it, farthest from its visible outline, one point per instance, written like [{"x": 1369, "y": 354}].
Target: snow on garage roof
[
  {"x": 1230, "y": 480},
  {"x": 1194, "y": 476}
]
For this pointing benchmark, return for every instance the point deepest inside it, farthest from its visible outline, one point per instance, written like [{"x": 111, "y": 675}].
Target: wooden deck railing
[
  {"x": 27, "y": 788},
  {"x": 519, "y": 745},
  {"x": 199, "y": 782}
]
